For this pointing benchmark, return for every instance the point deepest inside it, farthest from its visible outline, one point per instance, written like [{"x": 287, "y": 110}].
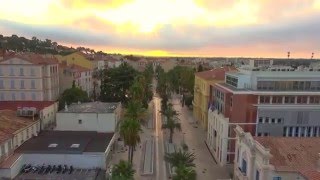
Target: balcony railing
[{"x": 240, "y": 175}]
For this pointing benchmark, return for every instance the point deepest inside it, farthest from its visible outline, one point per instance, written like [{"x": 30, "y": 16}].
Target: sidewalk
[{"x": 206, "y": 167}]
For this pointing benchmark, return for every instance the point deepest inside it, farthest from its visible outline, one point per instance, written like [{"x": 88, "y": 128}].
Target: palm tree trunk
[
  {"x": 132, "y": 149},
  {"x": 171, "y": 134},
  {"x": 129, "y": 154}
]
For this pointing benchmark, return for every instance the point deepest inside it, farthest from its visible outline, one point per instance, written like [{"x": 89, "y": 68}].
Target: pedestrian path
[{"x": 148, "y": 157}]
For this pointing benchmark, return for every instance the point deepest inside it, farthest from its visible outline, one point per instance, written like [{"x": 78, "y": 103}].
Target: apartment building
[
  {"x": 276, "y": 158},
  {"x": 29, "y": 77},
  {"x": 76, "y": 58},
  {"x": 275, "y": 101},
  {"x": 73, "y": 73},
  {"x": 203, "y": 80}
]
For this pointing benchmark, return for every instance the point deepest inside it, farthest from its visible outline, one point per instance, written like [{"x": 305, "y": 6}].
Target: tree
[
  {"x": 122, "y": 171},
  {"x": 135, "y": 110},
  {"x": 129, "y": 131},
  {"x": 72, "y": 95},
  {"x": 171, "y": 120},
  {"x": 180, "y": 158},
  {"x": 183, "y": 172},
  {"x": 116, "y": 83},
  {"x": 200, "y": 68}
]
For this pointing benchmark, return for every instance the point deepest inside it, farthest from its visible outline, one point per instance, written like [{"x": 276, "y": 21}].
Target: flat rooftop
[
  {"x": 91, "y": 107},
  {"x": 293, "y": 154},
  {"x": 10, "y": 123},
  {"x": 66, "y": 142}
]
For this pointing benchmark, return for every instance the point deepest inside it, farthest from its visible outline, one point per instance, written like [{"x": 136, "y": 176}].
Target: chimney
[{"x": 65, "y": 107}]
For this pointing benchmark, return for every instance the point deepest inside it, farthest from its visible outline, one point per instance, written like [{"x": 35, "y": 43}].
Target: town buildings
[
  {"x": 29, "y": 77},
  {"x": 92, "y": 116},
  {"x": 269, "y": 101},
  {"x": 81, "y": 76},
  {"x": 203, "y": 80},
  {"x": 76, "y": 58},
  {"x": 284, "y": 158}
]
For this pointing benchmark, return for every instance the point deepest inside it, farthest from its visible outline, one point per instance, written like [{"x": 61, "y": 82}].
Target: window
[
  {"x": 276, "y": 178},
  {"x": 13, "y": 96},
  {"x": 296, "y": 133},
  {"x": 266, "y": 134},
  {"x": 11, "y": 71},
  {"x": 284, "y": 134},
  {"x": 302, "y": 99},
  {"x": 279, "y": 120},
  {"x": 21, "y": 84},
  {"x": 244, "y": 167},
  {"x": 273, "y": 120},
  {"x": 33, "y": 96},
  {"x": 260, "y": 120},
  {"x": 32, "y": 73},
  {"x": 315, "y": 129},
  {"x": 277, "y": 99},
  {"x": 12, "y": 84},
  {"x": 75, "y": 146},
  {"x": 290, "y": 131},
  {"x": 1, "y": 84},
  {"x": 267, "y": 120},
  {"x": 53, "y": 145},
  {"x": 257, "y": 175},
  {"x": 33, "y": 84},
  {"x": 259, "y": 134},
  {"x": 23, "y": 97},
  {"x": 264, "y": 99},
  {"x": 289, "y": 99},
  {"x": 314, "y": 99},
  {"x": 21, "y": 72},
  {"x": 79, "y": 121},
  {"x": 303, "y": 131},
  {"x": 308, "y": 131}
]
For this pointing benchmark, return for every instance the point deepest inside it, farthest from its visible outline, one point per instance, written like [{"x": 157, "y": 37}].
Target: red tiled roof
[
  {"x": 215, "y": 74},
  {"x": 294, "y": 154},
  {"x": 13, "y": 105},
  {"x": 33, "y": 58},
  {"x": 10, "y": 123}
]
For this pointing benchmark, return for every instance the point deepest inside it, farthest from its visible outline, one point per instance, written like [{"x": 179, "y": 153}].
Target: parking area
[{"x": 81, "y": 174}]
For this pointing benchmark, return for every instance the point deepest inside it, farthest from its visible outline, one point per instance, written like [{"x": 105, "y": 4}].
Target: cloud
[{"x": 295, "y": 35}]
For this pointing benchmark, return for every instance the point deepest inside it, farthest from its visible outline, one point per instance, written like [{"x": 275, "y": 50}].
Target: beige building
[
  {"x": 80, "y": 75},
  {"x": 29, "y": 77},
  {"x": 276, "y": 158}
]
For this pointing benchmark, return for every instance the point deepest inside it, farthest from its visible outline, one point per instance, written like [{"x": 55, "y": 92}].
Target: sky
[{"x": 211, "y": 28}]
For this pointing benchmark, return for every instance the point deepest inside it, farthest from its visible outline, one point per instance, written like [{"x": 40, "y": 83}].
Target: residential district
[{"x": 87, "y": 116}]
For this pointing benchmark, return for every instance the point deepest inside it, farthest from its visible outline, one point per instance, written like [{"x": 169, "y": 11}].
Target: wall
[
  {"x": 90, "y": 122},
  {"x": 24, "y": 134},
  {"x": 48, "y": 116}
]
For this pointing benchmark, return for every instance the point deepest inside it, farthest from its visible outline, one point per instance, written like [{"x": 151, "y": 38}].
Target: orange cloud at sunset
[{"x": 261, "y": 28}]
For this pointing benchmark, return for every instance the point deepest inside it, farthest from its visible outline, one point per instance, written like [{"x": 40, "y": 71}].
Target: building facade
[
  {"x": 264, "y": 103},
  {"x": 203, "y": 80},
  {"x": 29, "y": 77},
  {"x": 276, "y": 158},
  {"x": 93, "y": 116},
  {"x": 76, "y": 58}
]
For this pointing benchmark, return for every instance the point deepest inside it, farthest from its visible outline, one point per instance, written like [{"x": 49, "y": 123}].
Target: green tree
[
  {"x": 116, "y": 83},
  {"x": 122, "y": 171},
  {"x": 183, "y": 172},
  {"x": 129, "y": 131},
  {"x": 171, "y": 120},
  {"x": 135, "y": 110},
  {"x": 72, "y": 95},
  {"x": 180, "y": 158},
  {"x": 200, "y": 68}
]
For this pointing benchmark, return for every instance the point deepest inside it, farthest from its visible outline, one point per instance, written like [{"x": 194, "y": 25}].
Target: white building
[
  {"x": 29, "y": 77},
  {"x": 92, "y": 116},
  {"x": 14, "y": 131},
  {"x": 98, "y": 64},
  {"x": 45, "y": 110},
  {"x": 276, "y": 158},
  {"x": 85, "y": 150}
]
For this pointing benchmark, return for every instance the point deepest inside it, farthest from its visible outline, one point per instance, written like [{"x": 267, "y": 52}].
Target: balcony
[{"x": 239, "y": 175}]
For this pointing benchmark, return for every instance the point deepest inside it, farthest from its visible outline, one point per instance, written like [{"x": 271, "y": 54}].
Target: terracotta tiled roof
[
  {"x": 217, "y": 74},
  {"x": 33, "y": 58},
  {"x": 10, "y": 123},
  {"x": 294, "y": 154},
  {"x": 13, "y": 105}
]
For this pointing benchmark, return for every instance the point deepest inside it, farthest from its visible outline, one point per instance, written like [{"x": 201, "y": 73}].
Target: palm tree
[
  {"x": 135, "y": 110},
  {"x": 180, "y": 158},
  {"x": 171, "y": 120},
  {"x": 122, "y": 171},
  {"x": 129, "y": 131},
  {"x": 183, "y": 172}
]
